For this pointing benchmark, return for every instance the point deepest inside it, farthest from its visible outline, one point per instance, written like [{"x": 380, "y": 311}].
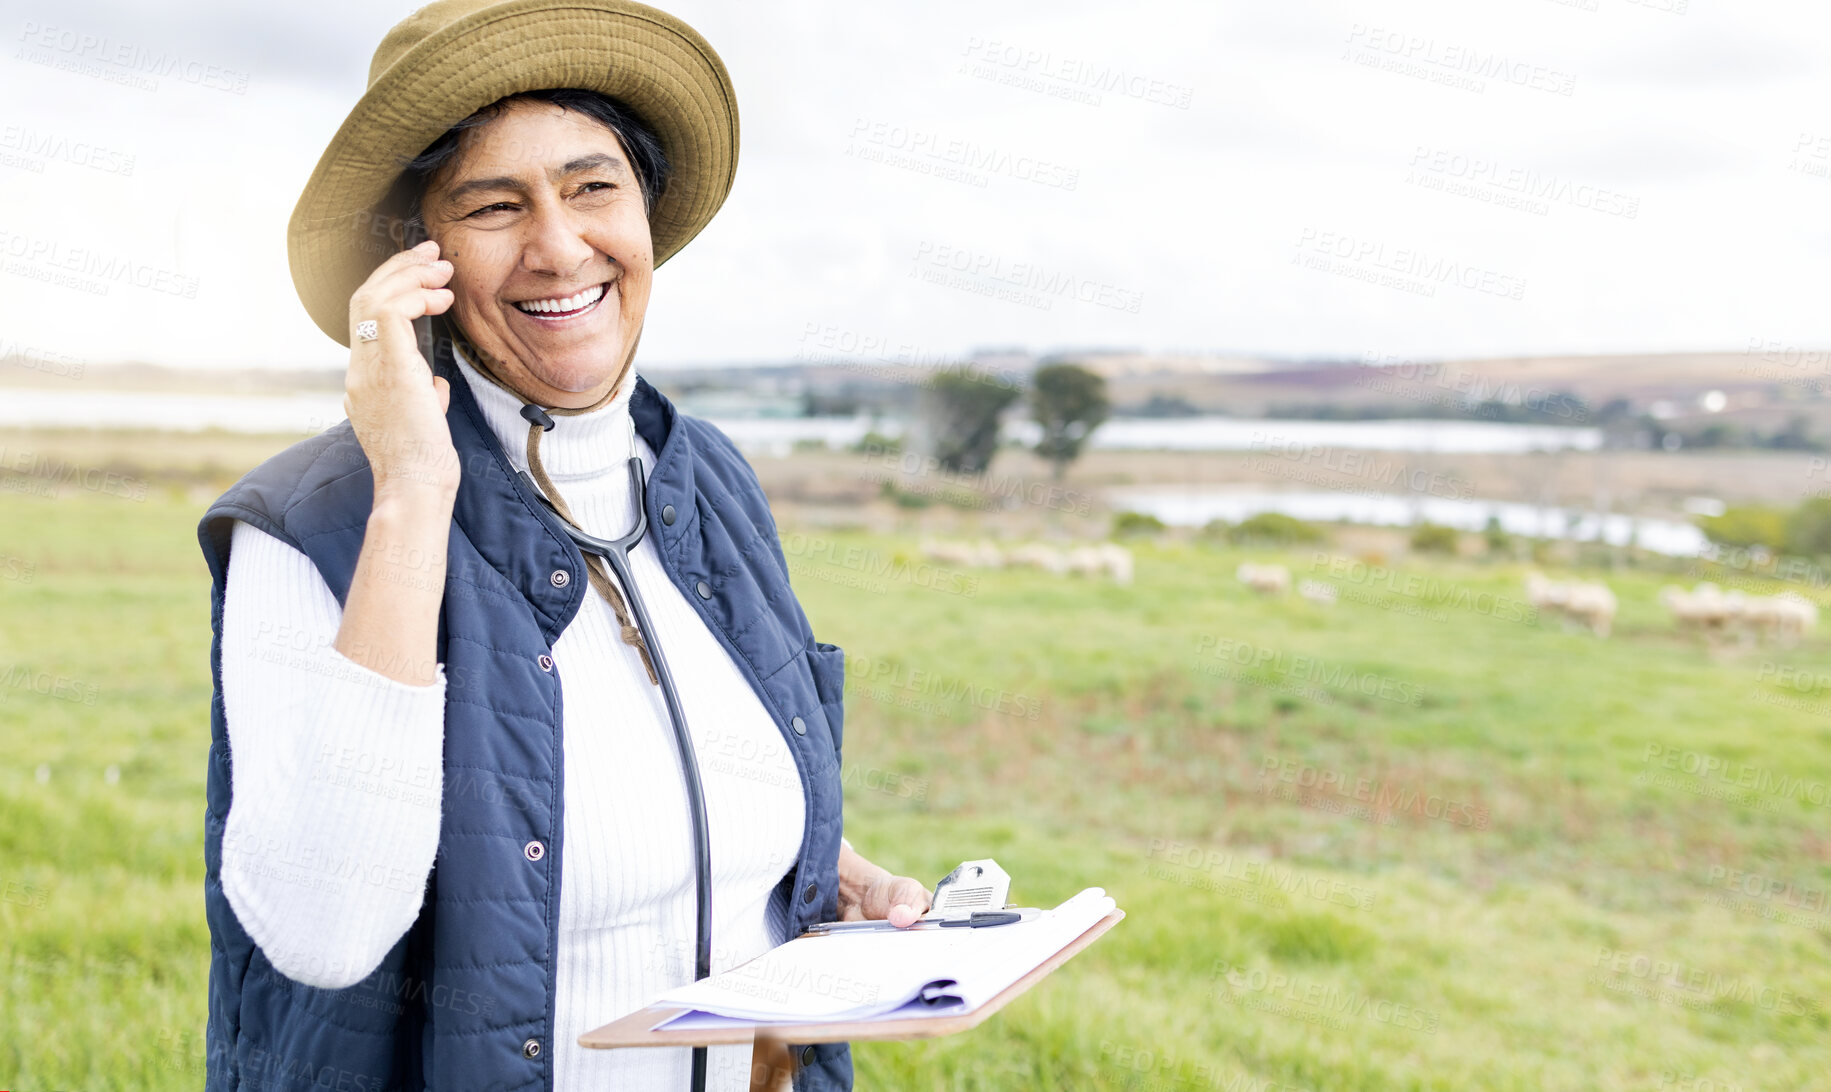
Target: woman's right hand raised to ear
[
  {"x": 394, "y": 402},
  {"x": 397, "y": 407}
]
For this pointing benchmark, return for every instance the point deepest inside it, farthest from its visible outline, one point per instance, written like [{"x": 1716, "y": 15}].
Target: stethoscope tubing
[{"x": 615, "y": 552}]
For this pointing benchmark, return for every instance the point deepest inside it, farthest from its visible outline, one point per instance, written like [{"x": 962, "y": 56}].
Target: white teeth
[{"x": 570, "y": 303}]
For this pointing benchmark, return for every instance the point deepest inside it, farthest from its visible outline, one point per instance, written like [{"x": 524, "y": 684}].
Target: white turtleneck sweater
[{"x": 338, "y": 772}]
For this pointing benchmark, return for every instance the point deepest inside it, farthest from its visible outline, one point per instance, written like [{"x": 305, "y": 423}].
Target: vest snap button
[
  {"x": 807, "y": 1055},
  {"x": 531, "y": 1049},
  {"x": 811, "y": 893},
  {"x": 704, "y": 589},
  {"x": 546, "y": 662},
  {"x": 560, "y": 578},
  {"x": 534, "y": 851},
  {"x": 799, "y": 725},
  {"x": 667, "y": 514}
]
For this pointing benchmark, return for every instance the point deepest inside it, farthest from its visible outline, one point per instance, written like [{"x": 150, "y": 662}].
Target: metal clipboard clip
[
  {"x": 975, "y": 885},
  {"x": 974, "y": 896}
]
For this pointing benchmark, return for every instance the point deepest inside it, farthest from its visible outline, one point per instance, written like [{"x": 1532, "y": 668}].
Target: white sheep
[
  {"x": 957, "y": 554},
  {"x": 1544, "y": 594},
  {"x": 1085, "y": 561},
  {"x": 1118, "y": 561},
  {"x": 1799, "y": 615},
  {"x": 987, "y": 555},
  {"x": 1704, "y": 608},
  {"x": 1037, "y": 555},
  {"x": 1264, "y": 579},
  {"x": 1592, "y": 605},
  {"x": 1786, "y": 617},
  {"x": 1099, "y": 559}
]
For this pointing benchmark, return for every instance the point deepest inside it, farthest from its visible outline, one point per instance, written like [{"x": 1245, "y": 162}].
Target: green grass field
[{"x": 1412, "y": 841}]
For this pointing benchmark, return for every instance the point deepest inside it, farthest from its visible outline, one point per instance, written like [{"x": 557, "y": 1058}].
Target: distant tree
[
  {"x": 1796, "y": 436},
  {"x": 1615, "y": 409},
  {"x": 1168, "y": 405},
  {"x": 1435, "y": 538},
  {"x": 1069, "y": 402},
  {"x": 1713, "y": 435},
  {"x": 1808, "y": 529},
  {"x": 1499, "y": 542},
  {"x": 962, "y": 407},
  {"x": 841, "y": 403},
  {"x": 874, "y": 442},
  {"x": 1747, "y": 525},
  {"x": 1137, "y": 524},
  {"x": 1215, "y": 531},
  {"x": 1274, "y": 528}
]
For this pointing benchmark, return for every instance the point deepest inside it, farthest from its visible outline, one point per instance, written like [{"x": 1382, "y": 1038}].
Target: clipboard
[{"x": 637, "y": 1029}]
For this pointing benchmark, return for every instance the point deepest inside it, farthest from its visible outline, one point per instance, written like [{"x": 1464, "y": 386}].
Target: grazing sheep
[
  {"x": 1118, "y": 561},
  {"x": 1085, "y": 561},
  {"x": 1318, "y": 592},
  {"x": 1786, "y": 617},
  {"x": 1591, "y": 605},
  {"x": 1036, "y": 555},
  {"x": 1099, "y": 559},
  {"x": 1704, "y": 608},
  {"x": 987, "y": 555},
  {"x": 1544, "y": 594},
  {"x": 1798, "y": 615},
  {"x": 1264, "y": 579},
  {"x": 948, "y": 553}
]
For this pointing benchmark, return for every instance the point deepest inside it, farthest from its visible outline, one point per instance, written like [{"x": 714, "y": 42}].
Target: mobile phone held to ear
[{"x": 413, "y": 233}]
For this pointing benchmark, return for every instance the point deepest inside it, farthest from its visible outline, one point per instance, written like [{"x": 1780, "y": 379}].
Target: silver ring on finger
[{"x": 367, "y": 330}]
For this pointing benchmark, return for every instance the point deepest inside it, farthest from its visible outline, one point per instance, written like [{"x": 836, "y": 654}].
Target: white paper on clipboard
[{"x": 882, "y": 974}]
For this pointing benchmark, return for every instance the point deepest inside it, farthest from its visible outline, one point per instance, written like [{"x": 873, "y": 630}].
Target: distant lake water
[
  {"x": 1236, "y": 434},
  {"x": 314, "y": 412},
  {"x": 1196, "y": 506},
  {"x": 171, "y": 412}
]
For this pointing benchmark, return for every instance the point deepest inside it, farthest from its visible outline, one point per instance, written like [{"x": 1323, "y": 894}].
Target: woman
[{"x": 456, "y": 832}]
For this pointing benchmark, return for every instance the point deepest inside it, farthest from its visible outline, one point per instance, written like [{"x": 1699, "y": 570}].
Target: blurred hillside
[{"x": 1768, "y": 395}]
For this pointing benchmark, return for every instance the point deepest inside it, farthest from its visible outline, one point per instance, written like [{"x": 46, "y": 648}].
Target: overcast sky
[{"x": 1408, "y": 178}]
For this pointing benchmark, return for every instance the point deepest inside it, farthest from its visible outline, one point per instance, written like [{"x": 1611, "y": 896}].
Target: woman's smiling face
[{"x": 542, "y": 219}]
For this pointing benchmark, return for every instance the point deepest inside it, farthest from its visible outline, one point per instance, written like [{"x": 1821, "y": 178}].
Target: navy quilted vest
[{"x": 465, "y": 999}]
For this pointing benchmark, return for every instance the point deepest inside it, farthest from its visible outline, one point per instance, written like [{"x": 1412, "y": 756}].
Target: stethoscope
[{"x": 615, "y": 552}]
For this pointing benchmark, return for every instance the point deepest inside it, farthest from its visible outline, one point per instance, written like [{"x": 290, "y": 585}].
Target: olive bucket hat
[{"x": 453, "y": 57}]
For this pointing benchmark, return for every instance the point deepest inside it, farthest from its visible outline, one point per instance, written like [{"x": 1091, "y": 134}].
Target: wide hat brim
[{"x": 654, "y": 63}]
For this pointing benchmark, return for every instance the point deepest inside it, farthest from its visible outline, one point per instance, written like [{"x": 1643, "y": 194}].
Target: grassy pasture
[{"x": 1417, "y": 840}]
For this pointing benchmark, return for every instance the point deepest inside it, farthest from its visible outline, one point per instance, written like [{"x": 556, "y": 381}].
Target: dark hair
[{"x": 640, "y": 142}]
